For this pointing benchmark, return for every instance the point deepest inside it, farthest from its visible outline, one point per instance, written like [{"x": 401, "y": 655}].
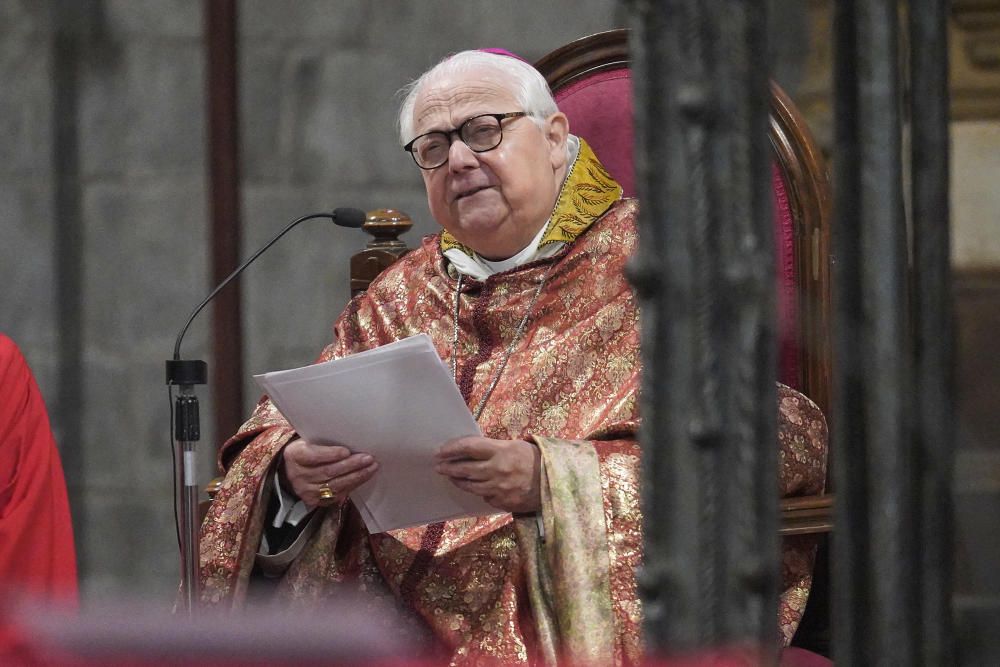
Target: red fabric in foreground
[
  {"x": 151, "y": 656},
  {"x": 599, "y": 108},
  {"x": 37, "y": 557},
  {"x": 790, "y": 657}
]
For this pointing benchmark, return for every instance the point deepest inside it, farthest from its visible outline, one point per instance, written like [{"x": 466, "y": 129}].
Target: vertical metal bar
[
  {"x": 190, "y": 543},
  {"x": 933, "y": 323},
  {"x": 885, "y": 339},
  {"x": 224, "y": 188},
  {"x": 704, "y": 276},
  {"x": 187, "y": 434},
  {"x": 875, "y": 546},
  {"x": 660, "y": 272},
  {"x": 851, "y": 609},
  {"x": 745, "y": 329}
]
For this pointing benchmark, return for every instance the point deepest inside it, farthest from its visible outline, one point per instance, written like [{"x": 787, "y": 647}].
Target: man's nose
[{"x": 460, "y": 156}]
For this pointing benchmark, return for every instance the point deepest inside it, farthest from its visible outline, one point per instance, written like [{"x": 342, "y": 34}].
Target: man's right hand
[{"x": 307, "y": 468}]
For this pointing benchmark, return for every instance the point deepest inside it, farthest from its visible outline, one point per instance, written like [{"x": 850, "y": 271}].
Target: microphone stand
[
  {"x": 186, "y": 427},
  {"x": 187, "y": 431}
]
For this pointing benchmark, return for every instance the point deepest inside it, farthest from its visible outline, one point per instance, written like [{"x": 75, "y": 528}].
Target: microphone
[
  {"x": 344, "y": 216},
  {"x": 349, "y": 217},
  {"x": 185, "y": 427}
]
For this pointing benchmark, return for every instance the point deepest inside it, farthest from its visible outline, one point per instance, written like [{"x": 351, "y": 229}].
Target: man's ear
[{"x": 556, "y": 132}]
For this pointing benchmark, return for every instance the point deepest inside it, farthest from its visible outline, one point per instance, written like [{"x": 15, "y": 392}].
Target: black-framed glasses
[{"x": 480, "y": 133}]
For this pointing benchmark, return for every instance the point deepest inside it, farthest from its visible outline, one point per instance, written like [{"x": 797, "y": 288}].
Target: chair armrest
[
  {"x": 807, "y": 515},
  {"x": 213, "y": 487},
  {"x": 210, "y": 489}
]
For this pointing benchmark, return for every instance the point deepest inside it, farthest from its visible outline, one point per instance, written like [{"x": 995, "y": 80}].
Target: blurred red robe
[{"x": 37, "y": 556}]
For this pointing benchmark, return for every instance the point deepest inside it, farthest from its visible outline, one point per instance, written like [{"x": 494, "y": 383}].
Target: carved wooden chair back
[
  {"x": 591, "y": 81},
  {"x": 592, "y": 84}
]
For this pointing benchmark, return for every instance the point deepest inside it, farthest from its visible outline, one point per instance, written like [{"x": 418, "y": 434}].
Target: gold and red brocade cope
[
  {"x": 572, "y": 381},
  {"x": 574, "y": 373}
]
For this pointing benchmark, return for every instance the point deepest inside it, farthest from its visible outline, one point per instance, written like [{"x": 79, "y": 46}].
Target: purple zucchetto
[{"x": 504, "y": 52}]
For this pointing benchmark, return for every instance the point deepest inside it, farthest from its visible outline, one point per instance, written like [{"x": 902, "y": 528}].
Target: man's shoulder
[
  {"x": 614, "y": 231},
  {"x": 803, "y": 444},
  {"x": 795, "y": 405},
  {"x": 621, "y": 216},
  {"x": 626, "y": 206},
  {"x": 395, "y": 300}
]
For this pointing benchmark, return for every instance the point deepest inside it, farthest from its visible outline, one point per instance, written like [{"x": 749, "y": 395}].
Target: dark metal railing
[
  {"x": 703, "y": 277},
  {"x": 874, "y": 560},
  {"x": 934, "y": 336},
  {"x": 892, "y": 393}
]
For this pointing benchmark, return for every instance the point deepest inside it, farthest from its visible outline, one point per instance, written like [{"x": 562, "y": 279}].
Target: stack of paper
[{"x": 398, "y": 403}]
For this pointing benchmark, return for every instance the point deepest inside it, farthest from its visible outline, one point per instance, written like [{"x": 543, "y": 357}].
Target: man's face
[{"x": 494, "y": 202}]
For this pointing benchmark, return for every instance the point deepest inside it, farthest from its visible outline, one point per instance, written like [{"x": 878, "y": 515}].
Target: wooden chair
[
  {"x": 583, "y": 76},
  {"x": 587, "y": 76},
  {"x": 591, "y": 81}
]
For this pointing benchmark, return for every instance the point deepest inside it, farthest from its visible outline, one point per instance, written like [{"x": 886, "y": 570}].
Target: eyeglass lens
[{"x": 480, "y": 133}]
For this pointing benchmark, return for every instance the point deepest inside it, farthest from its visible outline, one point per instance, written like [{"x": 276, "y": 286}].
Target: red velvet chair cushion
[{"x": 599, "y": 108}]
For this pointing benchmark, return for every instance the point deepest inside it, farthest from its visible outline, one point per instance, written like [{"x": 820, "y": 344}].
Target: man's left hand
[{"x": 505, "y": 473}]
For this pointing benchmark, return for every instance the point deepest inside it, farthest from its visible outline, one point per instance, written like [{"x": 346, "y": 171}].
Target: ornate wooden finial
[{"x": 385, "y": 225}]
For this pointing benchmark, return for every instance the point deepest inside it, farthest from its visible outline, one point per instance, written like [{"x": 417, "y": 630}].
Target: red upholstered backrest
[{"x": 599, "y": 107}]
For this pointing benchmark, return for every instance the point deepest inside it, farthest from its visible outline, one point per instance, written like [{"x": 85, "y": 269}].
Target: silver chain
[{"x": 510, "y": 348}]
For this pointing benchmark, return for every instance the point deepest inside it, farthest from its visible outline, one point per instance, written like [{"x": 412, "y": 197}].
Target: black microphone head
[{"x": 349, "y": 217}]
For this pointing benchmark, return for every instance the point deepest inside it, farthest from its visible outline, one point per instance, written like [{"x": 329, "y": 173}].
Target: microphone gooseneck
[
  {"x": 185, "y": 428},
  {"x": 344, "y": 217}
]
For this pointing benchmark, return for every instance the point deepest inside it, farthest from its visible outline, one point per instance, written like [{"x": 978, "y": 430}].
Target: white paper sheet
[{"x": 398, "y": 403}]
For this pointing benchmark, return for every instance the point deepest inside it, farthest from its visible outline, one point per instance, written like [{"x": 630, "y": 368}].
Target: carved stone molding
[
  {"x": 979, "y": 24},
  {"x": 975, "y": 59}
]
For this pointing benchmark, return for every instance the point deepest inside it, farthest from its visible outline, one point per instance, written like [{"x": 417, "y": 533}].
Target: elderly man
[{"x": 523, "y": 295}]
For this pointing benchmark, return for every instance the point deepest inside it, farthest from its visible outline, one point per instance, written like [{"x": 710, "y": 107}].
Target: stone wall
[
  {"x": 103, "y": 208},
  {"x": 103, "y": 211}
]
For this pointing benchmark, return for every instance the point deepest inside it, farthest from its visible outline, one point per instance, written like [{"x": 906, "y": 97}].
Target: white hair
[{"x": 525, "y": 82}]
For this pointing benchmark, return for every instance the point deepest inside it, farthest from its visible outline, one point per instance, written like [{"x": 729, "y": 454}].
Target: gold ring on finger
[{"x": 325, "y": 492}]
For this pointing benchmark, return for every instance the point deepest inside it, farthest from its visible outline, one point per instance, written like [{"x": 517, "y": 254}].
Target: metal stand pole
[{"x": 187, "y": 432}]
